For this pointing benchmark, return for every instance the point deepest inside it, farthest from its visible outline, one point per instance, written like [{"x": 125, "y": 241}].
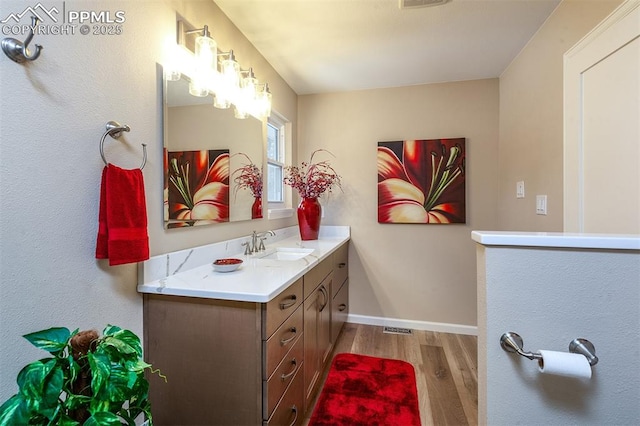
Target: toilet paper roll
[{"x": 564, "y": 364}]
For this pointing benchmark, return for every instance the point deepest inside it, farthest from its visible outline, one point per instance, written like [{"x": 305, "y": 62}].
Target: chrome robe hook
[{"x": 18, "y": 51}]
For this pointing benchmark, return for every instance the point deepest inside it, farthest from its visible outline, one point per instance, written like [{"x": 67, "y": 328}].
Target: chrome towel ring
[{"x": 114, "y": 129}]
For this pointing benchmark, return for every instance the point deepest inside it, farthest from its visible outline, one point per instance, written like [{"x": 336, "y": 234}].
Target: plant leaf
[
  {"x": 52, "y": 385},
  {"x": 67, "y": 421},
  {"x": 52, "y": 340},
  {"x": 103, "y": 418},
  {"x": 117, "y": 388},
  {"x": 14, "y": 411},
  {"x": 131, "y": 339},
  {"x": 110, "y": 330},
  {"x": 73, "y": 401},
  {"x": 31, "y": 378},
  {"x": 98, "y": 405},
  {"x": 122, "y": 346},
  {"x": 100, "y": 370},
  {"x": 125, "y": 415},
  {"x": 74, "y": 368},
  {"x": 137, "y": 365}
]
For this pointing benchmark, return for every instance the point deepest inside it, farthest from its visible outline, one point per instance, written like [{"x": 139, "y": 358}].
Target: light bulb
[
  {"x": 229, "y": 82},
  {"x": 206, "y": 51},
  {"x": 263, "y": 101},
  {"x": 204, "y": 64}
]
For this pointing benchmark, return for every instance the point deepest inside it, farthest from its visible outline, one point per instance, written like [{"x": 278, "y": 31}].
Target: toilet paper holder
[{"x": 512, "y": 342}]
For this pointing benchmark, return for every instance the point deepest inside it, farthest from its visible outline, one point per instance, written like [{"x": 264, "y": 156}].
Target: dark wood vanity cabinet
[
  {"x": 244, "y": 363},
  {"x": 226, "y": 362}
]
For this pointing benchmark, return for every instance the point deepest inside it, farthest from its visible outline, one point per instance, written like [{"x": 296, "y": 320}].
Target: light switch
[
  {"x": 541, "y": 204},
  {"x": 520, "y": 189}
]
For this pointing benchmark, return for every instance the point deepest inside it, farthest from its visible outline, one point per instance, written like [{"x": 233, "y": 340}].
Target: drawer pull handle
[
  {"x": 342, "y": 307},
  {"x": 295, "y": 419},
  {"x": 325, "y": 296},
  {"x": 295, "y": 367},
  {"x": 292, "y": 301},
  {"x": 284, "y": 342},
  {"x": 341, "y": 265}
]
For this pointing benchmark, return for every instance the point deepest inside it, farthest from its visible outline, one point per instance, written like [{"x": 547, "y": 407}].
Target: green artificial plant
[{"x": 102, "y": 384}]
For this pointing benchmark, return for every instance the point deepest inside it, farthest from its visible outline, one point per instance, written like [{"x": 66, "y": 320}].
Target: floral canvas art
[
  {"x": 422, "y": 181},
  {"x": 198, "y": 187}
]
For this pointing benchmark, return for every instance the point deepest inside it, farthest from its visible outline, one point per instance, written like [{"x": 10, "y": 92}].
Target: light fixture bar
[{"x": 218, "y": 74}]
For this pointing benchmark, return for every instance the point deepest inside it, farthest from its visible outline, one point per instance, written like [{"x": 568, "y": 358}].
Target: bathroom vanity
[{"x": 246, "y": 347}]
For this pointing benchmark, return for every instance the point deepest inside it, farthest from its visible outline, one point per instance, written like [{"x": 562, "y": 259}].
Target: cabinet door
[
  {"x": 339, "y": 310},
  {"x": 317, "y": 336},
  {"x": 211, "y": 352},
  {"x": 311, "y": 353},
  {"x": 324, "y": 323}
]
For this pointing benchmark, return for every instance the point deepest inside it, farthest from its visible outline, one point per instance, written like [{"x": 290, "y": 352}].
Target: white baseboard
[{"x": 415, "y": 325}]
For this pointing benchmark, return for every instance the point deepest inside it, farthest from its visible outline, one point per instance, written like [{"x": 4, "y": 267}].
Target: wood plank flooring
[{"x": 446, "y": 368}]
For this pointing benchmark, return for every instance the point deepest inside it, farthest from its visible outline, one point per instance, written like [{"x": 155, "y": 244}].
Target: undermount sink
[{"x": 286, "y": 253}]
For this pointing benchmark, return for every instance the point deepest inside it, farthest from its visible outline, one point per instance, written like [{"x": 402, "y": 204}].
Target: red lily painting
[
  {"x": 198, "y": 187},
  {"x": 421, "y": 181}
]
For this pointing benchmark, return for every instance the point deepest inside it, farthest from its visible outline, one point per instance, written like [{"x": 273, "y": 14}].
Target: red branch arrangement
[
  {"x": 249, "y": 176},
  {"x": 311, "y": 179}
]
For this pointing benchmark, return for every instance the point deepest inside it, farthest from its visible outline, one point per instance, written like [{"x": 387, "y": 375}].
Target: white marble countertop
[
  {"x": 257, "y": 280},
  {"x": 558, "y": 240}
]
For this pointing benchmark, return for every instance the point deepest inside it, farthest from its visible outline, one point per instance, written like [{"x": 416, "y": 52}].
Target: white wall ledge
[{"x": 557, "y": 239}]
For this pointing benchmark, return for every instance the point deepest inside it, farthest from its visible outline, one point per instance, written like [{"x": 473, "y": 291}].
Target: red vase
[
  {"x": 256, "y": 208},
  {"x": 309, "y": 212}
]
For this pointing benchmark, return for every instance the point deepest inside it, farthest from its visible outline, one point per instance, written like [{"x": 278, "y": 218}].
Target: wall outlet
[
  {"x": 520, "y": 189},
  {"x": 541, "y": 204}
]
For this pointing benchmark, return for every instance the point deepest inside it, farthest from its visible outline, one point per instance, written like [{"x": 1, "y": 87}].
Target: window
[{"x": 276, "y": 146}]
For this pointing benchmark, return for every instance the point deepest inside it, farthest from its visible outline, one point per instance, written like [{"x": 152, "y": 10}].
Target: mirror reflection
[{"x": 213, "y": 161}]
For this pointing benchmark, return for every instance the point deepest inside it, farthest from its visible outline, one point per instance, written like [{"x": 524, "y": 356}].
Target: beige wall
[
  {"x": 422, "y": 273},
  {"x": 531, "y": 120},
  {"x": 53, "y": 112}
]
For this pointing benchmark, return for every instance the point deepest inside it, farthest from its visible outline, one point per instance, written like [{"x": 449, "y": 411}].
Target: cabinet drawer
[
  {"x": 316, "y": 275},
  {"x": 289, "y": 410},
  {"x": 279, "y": 309},
  {"x": 340, "y": 267},
  {"x": 283, "y": 375},
  {"x": 281, "y": 341}
]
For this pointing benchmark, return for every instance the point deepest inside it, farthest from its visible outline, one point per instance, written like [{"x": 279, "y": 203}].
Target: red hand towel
[{"x": 122, "y": 221}]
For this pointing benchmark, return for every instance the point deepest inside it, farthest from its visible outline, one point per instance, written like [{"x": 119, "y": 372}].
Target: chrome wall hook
[{"x": 18, "y": 51}]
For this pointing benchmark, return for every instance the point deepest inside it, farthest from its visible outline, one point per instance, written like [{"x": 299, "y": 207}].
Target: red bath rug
[{"x": 364, "y": 390}]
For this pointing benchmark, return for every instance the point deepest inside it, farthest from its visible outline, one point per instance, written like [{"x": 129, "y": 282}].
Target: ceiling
[{"x": 320, "y": 46}]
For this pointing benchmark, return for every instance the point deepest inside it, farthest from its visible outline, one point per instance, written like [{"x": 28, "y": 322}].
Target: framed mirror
[{"x": 212, "y": 161}]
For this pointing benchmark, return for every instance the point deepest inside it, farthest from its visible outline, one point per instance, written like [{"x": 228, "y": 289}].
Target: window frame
[{"x": 279, "y": 209}]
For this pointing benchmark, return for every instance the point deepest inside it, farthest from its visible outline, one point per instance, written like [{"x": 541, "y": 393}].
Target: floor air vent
[
  {"x": 396, "y": 330},
  {"x": 412, "y": 4}
]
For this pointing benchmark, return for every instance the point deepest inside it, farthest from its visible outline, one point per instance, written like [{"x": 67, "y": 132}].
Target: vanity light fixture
[
  {"x": 247, "y": 96},
  {"x": 229, "y": 82},
  {"x": 263, "y": 101},
  {"x": 205, "y": 62},
  {"x": 217, "y": 73}
]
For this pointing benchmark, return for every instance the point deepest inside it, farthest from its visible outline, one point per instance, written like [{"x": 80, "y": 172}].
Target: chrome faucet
[
  {"x": 263, "y": 236},
  {"x": 257, "y": 241}
]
